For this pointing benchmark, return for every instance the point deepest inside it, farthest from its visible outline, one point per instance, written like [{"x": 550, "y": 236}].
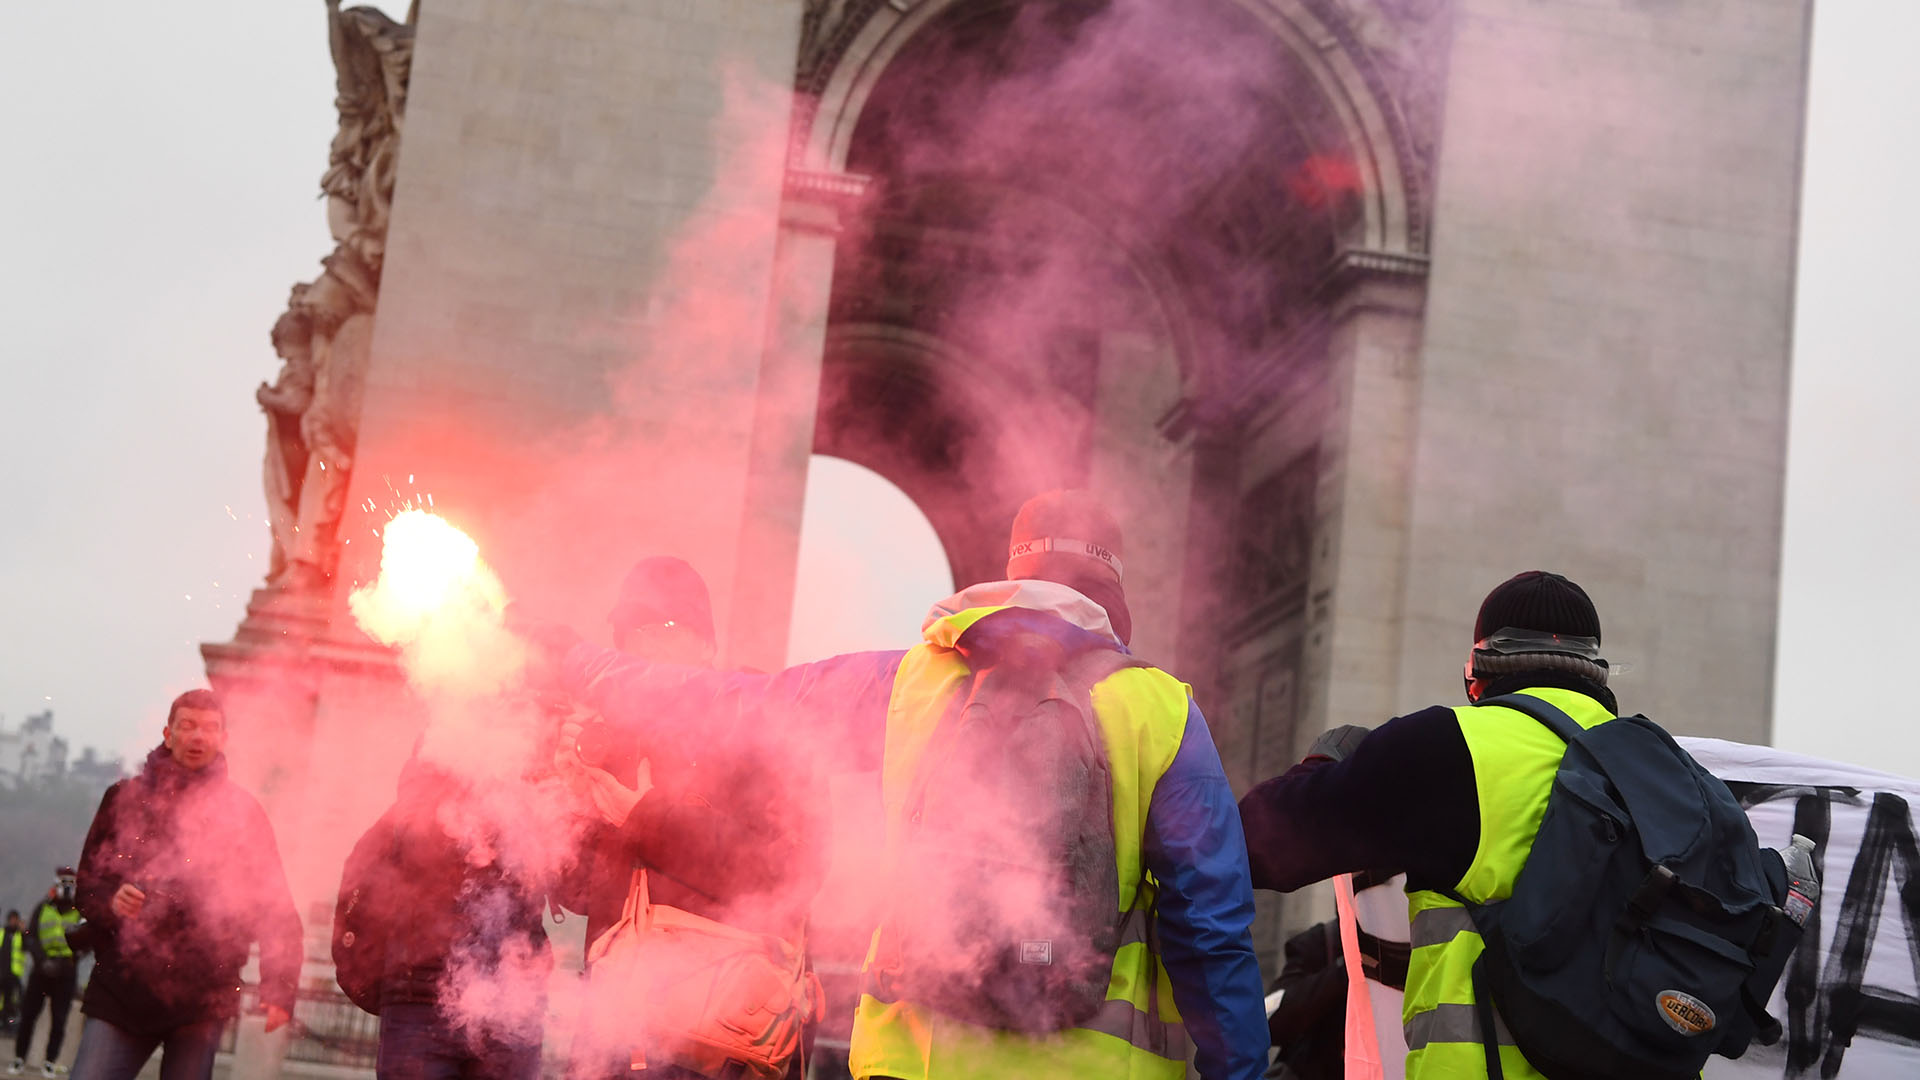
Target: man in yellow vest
[
  {"x": 13, "y": 968},
  {"x": 1452, "y": 796},
  {"x": 1183, "y": 968},
  {"x": 52, "y": 974}
]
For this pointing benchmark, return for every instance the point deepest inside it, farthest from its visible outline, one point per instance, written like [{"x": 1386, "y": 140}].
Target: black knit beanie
[
  {"x": 1539, "y": 601},
  {"x": 662, "y": 589}
]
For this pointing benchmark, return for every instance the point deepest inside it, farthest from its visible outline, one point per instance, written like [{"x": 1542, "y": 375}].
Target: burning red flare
[{"x": 441, "y": 605}]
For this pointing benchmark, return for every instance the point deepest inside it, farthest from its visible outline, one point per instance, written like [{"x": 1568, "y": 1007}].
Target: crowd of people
[
  {"x": 1068, "y": 882},
  {"x": 41, "y": 956}
]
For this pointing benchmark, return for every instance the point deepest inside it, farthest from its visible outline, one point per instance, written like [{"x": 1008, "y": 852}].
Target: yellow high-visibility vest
[
  {"x": 1142, "y": 715},
  {"x": 53, "y": 928},
  {"x": 1515, "y": 758}
]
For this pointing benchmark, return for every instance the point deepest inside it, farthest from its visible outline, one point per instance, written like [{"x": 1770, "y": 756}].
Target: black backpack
[
  {"x": 1013, "y": 918},
  {"x": 369, "y": 904},
  {"x": 1644, "y": 933}
]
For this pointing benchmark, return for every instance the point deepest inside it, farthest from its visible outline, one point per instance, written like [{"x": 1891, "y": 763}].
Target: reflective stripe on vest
[
  {"x": 1138, "y": 1033},
  {"x": 53, "y": 928},
  {"x": 1437, "y": 926},
  {"x": 1514, "y": 761},
  {"x": 1140, "y": 1025},
  {"x": 1452, "y": 1023}
]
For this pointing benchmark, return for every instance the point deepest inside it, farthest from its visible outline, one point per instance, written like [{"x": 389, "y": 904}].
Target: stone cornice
[{"x": 817, "y": 202}]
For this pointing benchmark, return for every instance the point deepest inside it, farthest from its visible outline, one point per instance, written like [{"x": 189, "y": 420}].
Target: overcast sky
[{"x": 160, "y": 199}]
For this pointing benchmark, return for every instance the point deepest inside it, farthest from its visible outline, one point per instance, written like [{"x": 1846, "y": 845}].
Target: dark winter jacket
[
  {"x": 203, "y": 852},
  {"x": 1310, "y": 1026},
  {"x": 449, "y": 911},
  {"x": 730, "y": 836},
  {"x": 1405, "y": 800}
]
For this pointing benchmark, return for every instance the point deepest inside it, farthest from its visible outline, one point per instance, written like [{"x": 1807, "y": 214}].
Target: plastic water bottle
[{"x": 1803, "y": 883}]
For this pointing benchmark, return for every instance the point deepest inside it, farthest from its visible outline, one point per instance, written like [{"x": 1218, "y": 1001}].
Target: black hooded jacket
[
  {"x": 444, "y": 910},
  {"x": 201, "y": 849}
]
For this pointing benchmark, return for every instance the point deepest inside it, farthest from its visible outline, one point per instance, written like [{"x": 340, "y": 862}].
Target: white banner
[
  {"x": 1850, "y": 1001},
  {"x": 1851, "y": 997}
]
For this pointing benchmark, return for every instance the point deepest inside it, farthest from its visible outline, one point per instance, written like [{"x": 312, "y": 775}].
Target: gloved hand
[{"x": 1337, "y": 744}]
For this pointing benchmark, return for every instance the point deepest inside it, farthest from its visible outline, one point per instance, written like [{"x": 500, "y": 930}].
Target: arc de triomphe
[{"x": 1353, "y": 307}]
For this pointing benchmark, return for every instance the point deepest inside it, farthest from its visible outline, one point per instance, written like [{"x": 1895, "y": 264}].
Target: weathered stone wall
[
  {"x": 575, "y": 310},
  {"x": 1603, "y": 385}
]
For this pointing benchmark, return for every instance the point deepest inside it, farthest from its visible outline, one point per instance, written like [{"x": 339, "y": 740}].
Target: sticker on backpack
[
  {"x": 1036, "y": 952},
  {"x": 1684, "y": 1013}
]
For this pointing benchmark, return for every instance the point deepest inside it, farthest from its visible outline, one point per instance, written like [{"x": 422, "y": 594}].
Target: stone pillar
[
  {"x": 575, "y": 309},
  {"x": 1146, "y": 479},
  {"x": 1609, "y": 327},
  {"x": 785, "y": 405},
  {"x": 1358, "y": 576},
  {"x": 1333, "y": 453}
]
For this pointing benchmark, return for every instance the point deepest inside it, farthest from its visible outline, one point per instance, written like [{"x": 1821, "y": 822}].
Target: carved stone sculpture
[
  {"x": 285, "y": 402},
  {"x": 313, "y": 408},
  {"x": 372, "y": 56}
]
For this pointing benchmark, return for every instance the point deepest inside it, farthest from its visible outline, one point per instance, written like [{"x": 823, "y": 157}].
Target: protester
[
  {"x": 723, "y": 833},
  {"x": 13, "y": 968},
  {"x": 179, "y": 878},
  {"x": 1455, "y": 797},
  {"x": 54, "y": 941},
  {"x": 1062, "y": 611},
  {"x": 444, "y": 919},
  {"x": 1309, "y": 1025}
]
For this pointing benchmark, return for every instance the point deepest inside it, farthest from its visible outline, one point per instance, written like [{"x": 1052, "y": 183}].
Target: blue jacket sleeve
[
  {"x": 834, "y": 709},
  {"x": 1194, "y": 847}
]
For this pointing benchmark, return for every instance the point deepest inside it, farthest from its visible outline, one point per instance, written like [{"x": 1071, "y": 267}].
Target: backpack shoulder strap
[
  {"x": 1549, "y": 715},
  {"x": 1090, "y": 668}
]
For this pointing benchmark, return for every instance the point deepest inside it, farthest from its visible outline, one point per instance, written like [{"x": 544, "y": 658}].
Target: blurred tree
[{"x": 42, "y": 826}]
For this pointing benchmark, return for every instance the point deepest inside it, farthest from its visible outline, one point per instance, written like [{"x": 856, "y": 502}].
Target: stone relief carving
[
  {"x": 1272, "y": 560},
  {"x": 1403, "y": 45},
  {"x": 313, "y": 407},
  {"x": 824, "y": 24}
]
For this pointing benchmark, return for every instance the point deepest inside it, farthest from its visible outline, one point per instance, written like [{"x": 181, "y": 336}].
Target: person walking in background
[
  {"x": 53, "y": 944},
  {"x": 13, "y": 968},
  {"x": 179, "y": 878}
]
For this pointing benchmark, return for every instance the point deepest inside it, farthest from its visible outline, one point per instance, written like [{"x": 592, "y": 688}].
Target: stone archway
[
  {"x": 1212, "y": 228},
  {"x": 1182, "y": 286},
  {"x": 1376, "y": 64}
]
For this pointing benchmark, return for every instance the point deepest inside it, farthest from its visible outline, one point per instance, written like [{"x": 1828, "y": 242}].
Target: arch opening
[
  {"x": 1092, "y": 253},
  {"x": 870, "y": 564}
]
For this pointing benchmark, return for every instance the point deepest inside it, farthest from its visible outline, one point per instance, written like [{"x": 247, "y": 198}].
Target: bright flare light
[
  {"x": 425, "y": 562},
  {"x": 440, "y": 603}
]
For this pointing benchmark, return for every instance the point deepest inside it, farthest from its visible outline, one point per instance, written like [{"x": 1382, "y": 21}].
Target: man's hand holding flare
[{"x": 611, "y": 799}]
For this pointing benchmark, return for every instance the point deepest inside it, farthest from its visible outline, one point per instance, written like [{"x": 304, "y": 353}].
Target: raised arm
[
  {"x": 1403, "y": 801},
  {"x": 837, "y": 707}
]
